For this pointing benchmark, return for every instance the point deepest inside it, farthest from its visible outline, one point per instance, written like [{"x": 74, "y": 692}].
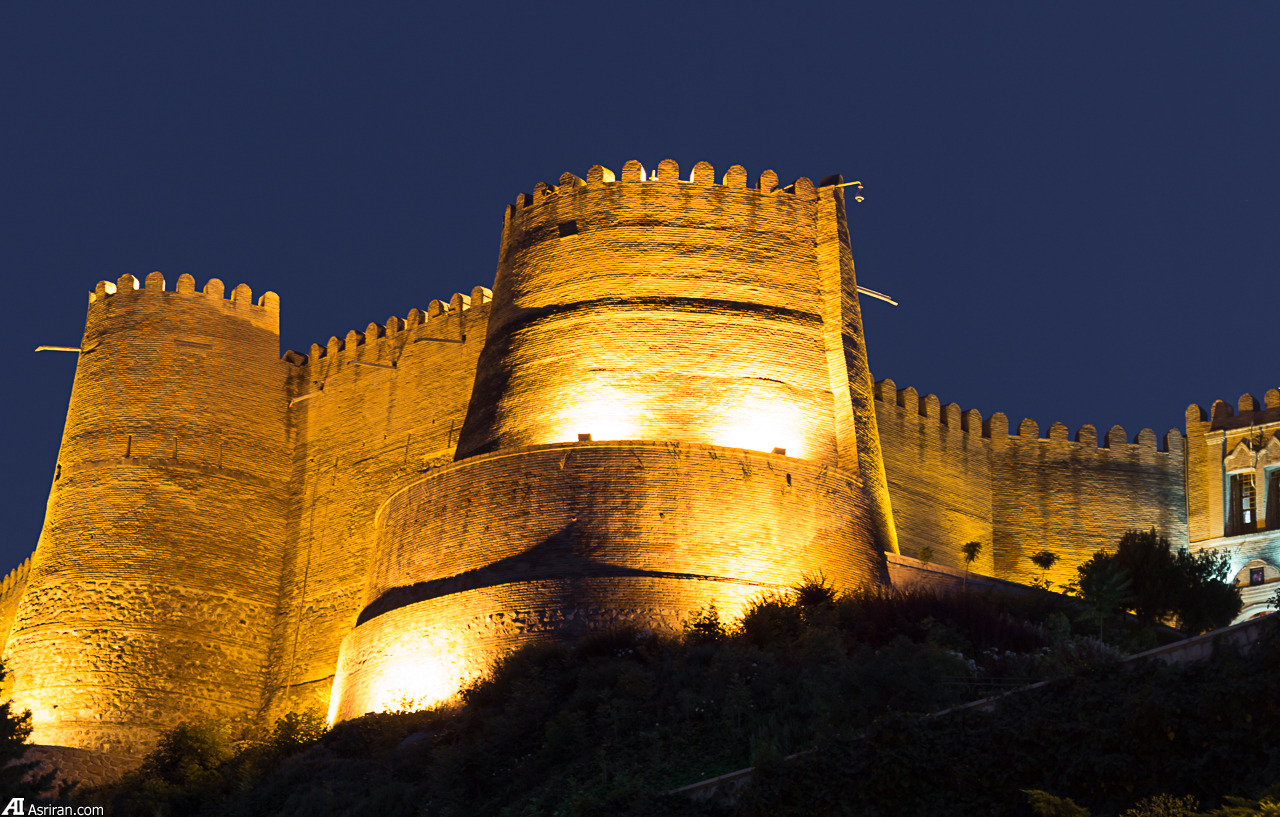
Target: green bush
[
  {"x": 188, "y": 752},
  {"x": 1144, "y": 573}
]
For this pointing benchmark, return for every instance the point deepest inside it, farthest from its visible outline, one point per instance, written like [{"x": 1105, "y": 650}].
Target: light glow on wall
[
  {"x": 761, "y": 425},
  {"x": 416, "y": 673},
  {"x": 604, "y": 412}
]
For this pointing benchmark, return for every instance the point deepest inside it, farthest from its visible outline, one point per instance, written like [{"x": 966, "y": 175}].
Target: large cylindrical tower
[
  {"x": 670, "y": 411},
  {"x": 154, "y": 585}
]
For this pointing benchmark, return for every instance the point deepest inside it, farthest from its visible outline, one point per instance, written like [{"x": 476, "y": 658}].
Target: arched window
[{"x": 1255, "y": 573}]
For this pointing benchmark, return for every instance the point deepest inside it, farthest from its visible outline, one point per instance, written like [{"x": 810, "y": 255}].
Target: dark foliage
[
  {"x": 17, "y": 779},
  {"x": 705, "y": 627},
  {"x": 1144, "y": 573},
  {"x": 606, "y": 725},
  {"x": 815, "y": 592},
  {"x": 188, "y": 752},
  {"x": 1108, "y": 738},
  {"x": 1208, "y": 599}
]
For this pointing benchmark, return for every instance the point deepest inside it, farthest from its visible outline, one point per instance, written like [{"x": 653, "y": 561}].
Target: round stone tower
[
  {"x": 672, "y": 410},
  {"x": 154, "y": 584}
]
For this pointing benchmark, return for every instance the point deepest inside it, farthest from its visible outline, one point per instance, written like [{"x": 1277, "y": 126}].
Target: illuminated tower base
[
  {"x": 558, "y": 539},
  {"x": 672, "y": 410}
]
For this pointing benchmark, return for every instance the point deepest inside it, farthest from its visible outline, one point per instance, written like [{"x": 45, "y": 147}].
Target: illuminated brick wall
[
  {"x": 12, "y": 588},
  {"x": 956, "y": 478},
  {"x": 671, "y": 323},
  {"x": 372, "y": 411},
  {"x": 231, "y": 533},
  {"x": 153, "y": 588},
  {"x": 560, "y": 538}
]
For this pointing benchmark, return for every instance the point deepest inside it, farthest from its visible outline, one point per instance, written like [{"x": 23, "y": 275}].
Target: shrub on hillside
[
  {"x": 1145, "y": 574},
  {"x": 1107, "y": 739},
  {"x": 605, "y": 724}
]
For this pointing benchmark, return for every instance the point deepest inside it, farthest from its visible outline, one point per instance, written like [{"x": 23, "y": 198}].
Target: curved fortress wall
[
  {"x": 656, "y": 310},
  {"x": 12, "y": 588},
  {"x": 528, "y": 544},
  {"x": 373, "y": 409},
  {"x": 227, "y": 530},
  {"x": 644, "y": 331},
  {"x": 957, "y": 478},
  {"x": 151, "y": 593}
]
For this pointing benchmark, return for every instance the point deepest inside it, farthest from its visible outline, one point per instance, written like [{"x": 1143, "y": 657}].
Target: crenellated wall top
[
  {"x": 1247, "y": 411},
  {"x": 16, "y": 577},
  {"x": 415, "y": 321},
  {"x": 668, "y": 173},
  {"x": 241, "y": 294},
  {"x": 996, "y": 427}
]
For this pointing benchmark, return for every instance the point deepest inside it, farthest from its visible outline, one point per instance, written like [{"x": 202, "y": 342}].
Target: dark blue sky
[{"x": 1075, "y": 203}]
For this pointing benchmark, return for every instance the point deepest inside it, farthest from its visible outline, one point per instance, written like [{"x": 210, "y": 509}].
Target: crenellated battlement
[
  {"x": 996, "y": 427},
  {"x": 1221, "y": 415},
  {"x": 668, "y": 172},
  {"x": 416, "y": 322},
  {"x": 16, "y": 577},
  {"x": 646, "y": 321},
  {"x": 12, "y": 588},
  {"x": 214, "y": 288}
]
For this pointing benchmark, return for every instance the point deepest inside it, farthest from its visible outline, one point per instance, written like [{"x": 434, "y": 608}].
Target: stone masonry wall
[
  {"x": 653, "y": 308},
  {"x": 615, "y": 528},
  {"x": 955, "y": 478},
  {"x": 12, "y": 587},
  {"x": 153, "y": 587},
  {"x": 645, "y": 330},
  {"x": 234, "y": 534},
  {"x": 372, "y": 410}
]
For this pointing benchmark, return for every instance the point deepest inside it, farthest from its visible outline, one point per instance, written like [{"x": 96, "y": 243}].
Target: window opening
[
  {"x": 1273, "y": 499},
  {"x": 1243, "y": 515}
]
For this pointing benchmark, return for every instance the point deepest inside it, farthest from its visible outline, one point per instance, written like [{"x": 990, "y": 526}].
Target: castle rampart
[
  {"x": 151, "y": 593},
  {"x": 664, "y": 403},
  {"x": 956, "y": 478},
  {"x": 375, "y": 410},
  {"x": 12, "y": 588},
  {"x": 709, "y": 297},
  {"x": 646, "y": 532},
  {"x": 643, "y": 331}
]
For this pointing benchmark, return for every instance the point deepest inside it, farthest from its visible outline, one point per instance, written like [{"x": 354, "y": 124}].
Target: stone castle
[{"x": 664, "y": 403}]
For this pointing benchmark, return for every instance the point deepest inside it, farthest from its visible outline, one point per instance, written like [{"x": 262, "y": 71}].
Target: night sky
[{"x": 1075, "y": 203}]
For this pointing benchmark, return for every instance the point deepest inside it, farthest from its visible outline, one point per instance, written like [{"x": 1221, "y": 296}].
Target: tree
[
  {"x": 1104, "y": 584},
  {"x": 704, "y": 627},
  {"x": 1147, "y": 559},
  {"x": 16, "y": 777},
  {"x": 187, "y": 752},
  {"x": 1045, "y": 560},
  {"x": 1208, "y": 598},
  {"x": 1146, "y": 575},
  {"x": 971, "y": 551}
]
